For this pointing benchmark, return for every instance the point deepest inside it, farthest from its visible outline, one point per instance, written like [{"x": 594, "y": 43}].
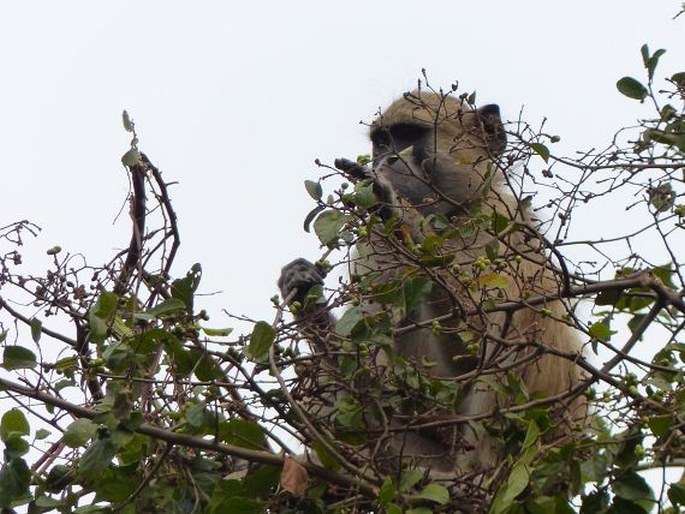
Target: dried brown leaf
[{"x": 294, "y": 477}]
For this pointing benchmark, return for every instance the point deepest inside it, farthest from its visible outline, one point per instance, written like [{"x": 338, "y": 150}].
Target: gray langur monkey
[{"x": 434, "y": 159}]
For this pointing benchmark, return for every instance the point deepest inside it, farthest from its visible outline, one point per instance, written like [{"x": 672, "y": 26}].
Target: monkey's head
[{"x": 435, "y": 150}]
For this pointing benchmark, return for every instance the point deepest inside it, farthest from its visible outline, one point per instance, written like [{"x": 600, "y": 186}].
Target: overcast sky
[{"x": 235, "y": 100}]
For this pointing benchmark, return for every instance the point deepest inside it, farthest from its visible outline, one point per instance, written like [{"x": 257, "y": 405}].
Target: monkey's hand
[
  {"x": 382, "y": 187},
  {"x": 300, "y": 276},
  {"x": 353, "y": 169}
]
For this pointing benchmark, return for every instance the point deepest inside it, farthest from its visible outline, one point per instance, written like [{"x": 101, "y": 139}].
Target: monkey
[{"x": 434, "y": 173}]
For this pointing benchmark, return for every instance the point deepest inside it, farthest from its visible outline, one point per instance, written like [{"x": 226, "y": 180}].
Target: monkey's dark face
[
  {"x": 399, "y": 154},
  {"x": 433, "y": 155}
]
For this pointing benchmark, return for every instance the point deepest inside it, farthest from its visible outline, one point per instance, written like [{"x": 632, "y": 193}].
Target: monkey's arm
[{"x": 314, "y": 320}]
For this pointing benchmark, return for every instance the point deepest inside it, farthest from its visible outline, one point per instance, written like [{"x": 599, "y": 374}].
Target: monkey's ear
[{"x": 495, "y": 137}]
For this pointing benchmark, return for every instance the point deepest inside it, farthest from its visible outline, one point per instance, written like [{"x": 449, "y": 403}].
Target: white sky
[{"x": 235, "y": 100}]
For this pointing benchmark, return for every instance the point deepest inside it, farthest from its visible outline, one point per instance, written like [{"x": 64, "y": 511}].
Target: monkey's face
[{"x": 432, "y": 149}]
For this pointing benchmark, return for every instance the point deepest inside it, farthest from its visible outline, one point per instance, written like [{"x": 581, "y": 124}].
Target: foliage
[{"x": 142, "y": 406}]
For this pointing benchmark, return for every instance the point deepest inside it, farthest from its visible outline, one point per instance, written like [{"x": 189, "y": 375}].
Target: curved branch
[{"x": 138, "y": 201}]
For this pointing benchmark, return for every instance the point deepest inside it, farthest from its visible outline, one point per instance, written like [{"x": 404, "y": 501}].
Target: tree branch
[{"x": 263, "y": 457}]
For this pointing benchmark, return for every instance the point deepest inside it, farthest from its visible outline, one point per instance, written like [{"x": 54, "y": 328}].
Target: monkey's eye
[
  {"x": 381, "y": 137},
  {"x": 404, "y": 135},
  {"x": 397, "y": 137}
]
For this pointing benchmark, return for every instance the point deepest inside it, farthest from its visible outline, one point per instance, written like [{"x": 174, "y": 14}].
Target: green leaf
[
  {"x": 243, "y": 433},
  {"x": 668, "y": 112},
  {"x": 435, "y": 493},
  {"x": 363, "y": 159},
  {"x": 600, "y": 330},
  {"x": 115, "y": 485},
  {"x": 596, "y": 502},
  {"x": 47, "y": 504},
  {"x": 58, "y": 478},
  {"x": 532, "y": 435},
  {"x": 314, "y": 189},
  {"x": 328, "y": 225},
  {"x": 97, "y": 458},
  {"x": 665, "y": 274},
  {"x": 184, "y": 288},
  {"x": 16, "y": 447},
  {"x": 67, "y": 365},
  {"x": 41, "y": 434},
  {"x": 18, "y": 357},
  {"x": 349, "y": 320},
  {"x": 97, "y": 509},
  {"x": 631, "y": 486},
  {"x": 168, "y": 306},
  {"x": 101, "y": 315},
  {"x": 492, "y": 250},
  {"x": 13, "y": 424},
  {"x": 261, "y": 339},
  {"x": 15, "y": 478},
  {"x": 229, "y": 498},
  {"x": 660, "y": 425},
  {"x": 634, "y": 299},
  {"x": 206, "y": 368},
  {"x": 676, "y": 494},
  {"x": 195, "y": 414},
  {"x": 595, "y": 469},
  {"x": 621, "y": 506},
  {"x": 678, "y": 78},
  {"x": 79, "y": 433},
  {"x": 386, "y": 494},
  {"x": 608, "y": 297},
  {"x": 261, "y": 481},
  {"x": 327, "y": 459},
  {"x": 36, "y": 329},
  {"x": 348, "y": 413},
  {"x": 135, "y": 449},
  {"x": 541, "y": 150},
  {"x": 548, "y": 505},
  {"x": 183, "y": 359},
  {"x": 131, "y": 158},
  {"x": 516, "y": 483},
  {"x": 217, "y": 332},
  {"x": 364, "y": 195},
  {"x": 409, "y": 479},
  {"x": 632, "y": 88},
  {"x": 493, "y": 281},
  {"x": 499, "y": 222},
  {"x": 665, "y": 138},
  {"x": 635, "y": 321},
  {"x": 644, "y": 50},
  {"x": 650, "y": 62},
  {"x": 662, "y": 197},
  {"x": 415, "y": 290},
  {"x": 126, "y": 119}
]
